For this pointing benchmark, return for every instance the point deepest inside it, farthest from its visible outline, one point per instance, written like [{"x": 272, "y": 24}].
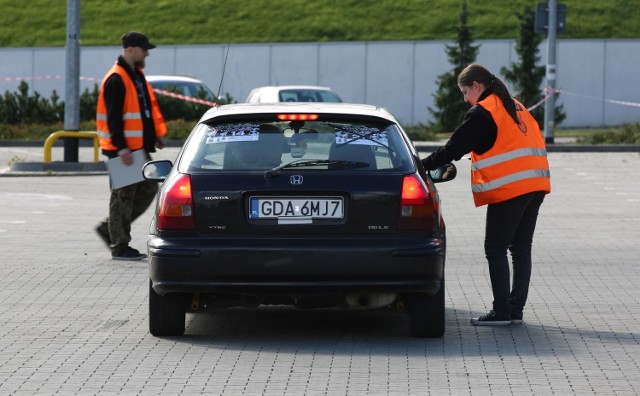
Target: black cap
[{"x": 136, "y": 39}]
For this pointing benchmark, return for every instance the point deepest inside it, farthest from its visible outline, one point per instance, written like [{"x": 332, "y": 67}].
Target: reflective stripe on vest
[
  {"x": 503, "y": 181},
  {"x": 127, "y": 134},
  {"x": 131, "y": 116},
  {"x": 497, "y": 159}
]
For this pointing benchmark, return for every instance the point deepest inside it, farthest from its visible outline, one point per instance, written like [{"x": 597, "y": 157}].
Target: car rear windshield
[
  {"x": 325, "y": 145},
  {"x": 307, "y": 95}
]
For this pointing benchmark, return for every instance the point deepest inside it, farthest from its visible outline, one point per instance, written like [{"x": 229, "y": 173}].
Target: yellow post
[{"x": 81, "y": 134}]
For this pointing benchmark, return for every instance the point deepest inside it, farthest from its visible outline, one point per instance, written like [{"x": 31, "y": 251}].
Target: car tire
[
  {"x": 166, "y": 314},
  {"x": 426, "y": 314}
]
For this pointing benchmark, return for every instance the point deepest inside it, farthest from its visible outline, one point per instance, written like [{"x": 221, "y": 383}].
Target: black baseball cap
[{"x": 136, "y": 39}]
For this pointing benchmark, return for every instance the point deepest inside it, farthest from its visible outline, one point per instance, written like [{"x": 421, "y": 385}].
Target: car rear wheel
[
  {"x": 166, "y": 314},
  {"x": 426, "y": 314}
]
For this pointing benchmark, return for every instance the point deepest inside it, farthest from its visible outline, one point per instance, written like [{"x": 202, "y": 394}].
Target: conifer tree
[
  {"x": 525, "y": 76},
  {"x": 450, "y": 107}
]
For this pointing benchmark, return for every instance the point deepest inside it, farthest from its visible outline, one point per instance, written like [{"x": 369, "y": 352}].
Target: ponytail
[{"x": 475, "y": 72}]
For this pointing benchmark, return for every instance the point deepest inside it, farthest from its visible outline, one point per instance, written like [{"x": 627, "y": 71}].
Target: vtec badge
[{"x": 296, "y": 179}]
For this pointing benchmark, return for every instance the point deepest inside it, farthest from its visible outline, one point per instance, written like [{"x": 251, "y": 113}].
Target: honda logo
[{"x": 296, "y": 179}]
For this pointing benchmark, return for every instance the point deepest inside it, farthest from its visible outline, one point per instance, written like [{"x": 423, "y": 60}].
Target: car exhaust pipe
[{"x": 369, "y": 300}]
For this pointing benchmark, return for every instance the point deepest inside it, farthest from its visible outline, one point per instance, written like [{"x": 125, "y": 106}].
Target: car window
[
  {"x": 187, "y": 88},
  {"x": 289, "y": 96},
  {"x": 307, "y": 95},
  {"x": 328, "y": 96},
  {"x": 317, "y": 145}
]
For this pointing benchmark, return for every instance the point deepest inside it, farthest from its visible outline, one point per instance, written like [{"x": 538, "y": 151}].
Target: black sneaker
[
  {"x": 491, "y": 319},
  {"x": 127, "y": 253},
  {"x": 103, "y": 232}
]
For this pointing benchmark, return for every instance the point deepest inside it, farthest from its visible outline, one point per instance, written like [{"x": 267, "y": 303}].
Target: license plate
[{"x": 299, "y": 208}]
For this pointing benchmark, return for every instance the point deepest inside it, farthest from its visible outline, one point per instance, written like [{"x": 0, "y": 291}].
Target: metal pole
[
  {"x": 550, "y": 104},
  {"x": 72, "y": 80}
]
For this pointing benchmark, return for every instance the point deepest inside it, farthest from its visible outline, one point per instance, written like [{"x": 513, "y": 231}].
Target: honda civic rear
[{"x": 308, "y": 205}]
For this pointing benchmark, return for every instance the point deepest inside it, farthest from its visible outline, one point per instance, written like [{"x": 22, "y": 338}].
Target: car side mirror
[
  {"x": 443, "y": 173},
  {"x": 157, "y": 170}
]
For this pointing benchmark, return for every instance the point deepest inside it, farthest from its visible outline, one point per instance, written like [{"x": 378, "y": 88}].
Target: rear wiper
[{"x": 333, "y": 164}]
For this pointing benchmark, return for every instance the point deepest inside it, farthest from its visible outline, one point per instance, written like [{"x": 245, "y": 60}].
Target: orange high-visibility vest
[
  {"x": 516, "y": 164},
  {"x": 131, "y": 115}
]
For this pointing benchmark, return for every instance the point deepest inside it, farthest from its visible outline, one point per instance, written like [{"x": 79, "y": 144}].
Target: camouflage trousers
[{"x": 125, "y": 205}]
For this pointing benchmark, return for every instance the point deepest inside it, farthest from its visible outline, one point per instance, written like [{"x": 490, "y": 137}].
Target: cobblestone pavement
[{"x": 75, "y": 322}]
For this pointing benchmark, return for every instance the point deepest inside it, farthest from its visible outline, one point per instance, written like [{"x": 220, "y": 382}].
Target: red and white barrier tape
[
  {"x": 183, "y": 97},
  {"x": 548, "y": 92},
  {"x": 54, "y": 77},
  {"x": 540, "y": 102}
]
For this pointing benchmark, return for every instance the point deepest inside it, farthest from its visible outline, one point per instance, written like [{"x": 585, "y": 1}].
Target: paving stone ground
[{"x": 75, "y": 322}]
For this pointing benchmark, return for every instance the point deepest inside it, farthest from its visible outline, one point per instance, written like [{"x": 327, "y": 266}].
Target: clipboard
[{"x": 122, "y": 175}]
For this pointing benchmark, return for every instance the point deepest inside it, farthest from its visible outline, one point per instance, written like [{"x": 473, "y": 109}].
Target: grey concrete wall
[{"x": 399, "y": 75}]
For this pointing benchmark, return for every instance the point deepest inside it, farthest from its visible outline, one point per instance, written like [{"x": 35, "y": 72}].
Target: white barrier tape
[
  {"x": 539, "y": 103},
  {"x": 156, "y": 90},
  {"x": 548, "y": 91},
  {"x": 620, "y": 102}
]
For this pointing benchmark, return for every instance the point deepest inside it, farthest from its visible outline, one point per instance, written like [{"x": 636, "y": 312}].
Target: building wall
[{"x": 594, "y": 75}]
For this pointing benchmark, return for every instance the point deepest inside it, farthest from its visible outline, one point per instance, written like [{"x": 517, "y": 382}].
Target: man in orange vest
[
  {"x": 510, "y": 174},
  {"x": 128, "y": 119}
]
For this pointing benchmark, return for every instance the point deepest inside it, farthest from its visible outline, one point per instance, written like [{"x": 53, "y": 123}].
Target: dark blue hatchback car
[{"x": 312, "y": 205}]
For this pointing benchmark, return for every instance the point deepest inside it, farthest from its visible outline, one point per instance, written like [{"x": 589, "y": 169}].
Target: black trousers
[{"x": 510, "y": 226}]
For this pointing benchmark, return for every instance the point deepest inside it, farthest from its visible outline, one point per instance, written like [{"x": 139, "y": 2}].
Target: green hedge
[
  {"x": 177, "y": 130},
  {"x": 627, "y": 134}
]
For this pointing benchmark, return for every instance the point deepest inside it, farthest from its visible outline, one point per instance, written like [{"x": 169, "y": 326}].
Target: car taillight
[
  {"x": 298, "y": 117},
  {"x": 175, "y": 208},
  {"x": 417, "y": 211}
]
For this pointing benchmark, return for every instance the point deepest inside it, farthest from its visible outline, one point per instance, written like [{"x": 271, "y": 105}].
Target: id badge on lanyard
[{"x": 142, "y": 98}]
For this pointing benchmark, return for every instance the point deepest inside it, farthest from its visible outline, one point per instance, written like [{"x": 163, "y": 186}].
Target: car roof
[
  {"x": 171, "y": 77},
  {"x": 285, "y": 87},
  {"x": 238, "y": 109}
]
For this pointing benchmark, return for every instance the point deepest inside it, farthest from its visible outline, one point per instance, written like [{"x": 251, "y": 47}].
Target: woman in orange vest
[
  {"x": 128, "y": 119},
  {"x": 509, "y": 174}
]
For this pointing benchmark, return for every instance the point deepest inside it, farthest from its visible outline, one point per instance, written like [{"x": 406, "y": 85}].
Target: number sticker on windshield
[
  {"x": 361, "y": 135},
  {"x": 233, "y": 133}
]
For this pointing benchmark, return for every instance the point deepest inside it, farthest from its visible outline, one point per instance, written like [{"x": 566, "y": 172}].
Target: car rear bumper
[{"x": 286, "y": 266}]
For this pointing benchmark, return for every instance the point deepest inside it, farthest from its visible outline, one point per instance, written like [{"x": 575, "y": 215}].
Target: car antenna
[{"x": 224, "y": 67}]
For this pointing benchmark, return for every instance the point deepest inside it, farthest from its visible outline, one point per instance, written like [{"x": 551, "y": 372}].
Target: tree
[
  {"x": 89, "y": 103},
  {"x": 22, "y": 108},
  {"x": 450, "y": 108},
  {"x": 525, "y": 76}
]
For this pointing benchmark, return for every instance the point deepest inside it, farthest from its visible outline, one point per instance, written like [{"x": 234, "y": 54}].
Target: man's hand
[
  {"x": 126, "y": 156},
  {"x": 161, "y": 143}
]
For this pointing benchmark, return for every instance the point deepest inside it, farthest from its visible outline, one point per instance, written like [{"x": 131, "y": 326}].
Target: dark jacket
[{"x": 477, "y": 133}]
